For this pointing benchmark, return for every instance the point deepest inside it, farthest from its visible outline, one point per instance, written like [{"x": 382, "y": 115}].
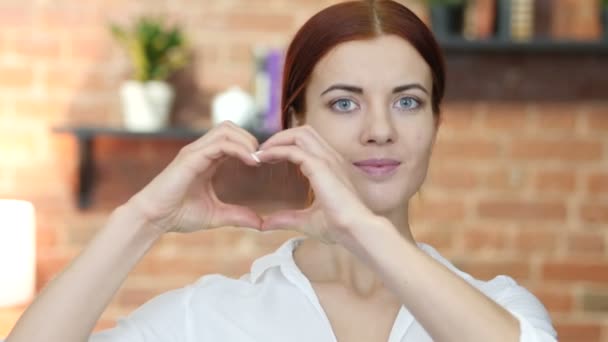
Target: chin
[{"x": 383, "y": 201}]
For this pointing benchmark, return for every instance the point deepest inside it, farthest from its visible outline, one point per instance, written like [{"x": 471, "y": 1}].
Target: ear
[{"x": 294, "y": 117}]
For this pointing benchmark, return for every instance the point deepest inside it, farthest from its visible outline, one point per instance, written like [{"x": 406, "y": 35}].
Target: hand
[
  {"x": 336, "y": 207},
  {"x": 164, "y": 202}
]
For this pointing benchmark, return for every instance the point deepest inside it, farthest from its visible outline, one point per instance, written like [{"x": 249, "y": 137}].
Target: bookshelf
[
  {"x": 461, "y": 45},
  {"x": 521, "y": 26}
]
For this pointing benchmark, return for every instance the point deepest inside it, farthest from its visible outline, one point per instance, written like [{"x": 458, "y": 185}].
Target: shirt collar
[{"x": 283, "y": 256}]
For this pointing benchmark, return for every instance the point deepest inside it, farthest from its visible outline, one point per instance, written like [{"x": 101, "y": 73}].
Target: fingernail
[{"x": 255, "y": 156}]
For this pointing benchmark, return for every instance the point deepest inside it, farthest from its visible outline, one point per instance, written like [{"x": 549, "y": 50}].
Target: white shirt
[{"x": 276, "y": 302}]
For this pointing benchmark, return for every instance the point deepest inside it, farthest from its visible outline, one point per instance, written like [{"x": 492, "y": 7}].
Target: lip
[{"x": 378, "y": 167}]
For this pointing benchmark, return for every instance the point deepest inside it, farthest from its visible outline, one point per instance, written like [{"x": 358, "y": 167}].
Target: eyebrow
[{"x": 359, "y": 90}]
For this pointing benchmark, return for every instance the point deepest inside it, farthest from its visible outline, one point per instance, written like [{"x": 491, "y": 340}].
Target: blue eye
[
  {"x": 407, "y": 103},
  {"x": 344, "y": 105}
]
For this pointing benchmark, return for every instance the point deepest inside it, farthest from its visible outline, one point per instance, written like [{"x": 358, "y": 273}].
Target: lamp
[{"x": 17, "y": 252}]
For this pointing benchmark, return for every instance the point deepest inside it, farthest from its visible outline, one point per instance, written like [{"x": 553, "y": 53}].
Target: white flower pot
[{"x": 146, "y": 106}]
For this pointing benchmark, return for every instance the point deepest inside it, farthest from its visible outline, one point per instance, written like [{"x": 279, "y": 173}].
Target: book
[
  {"x": 543, "y": 13},
  {"x": 480, "y": 19},
  {"x": 576, "y": 20},
  {"x": 522, "y": 20}
]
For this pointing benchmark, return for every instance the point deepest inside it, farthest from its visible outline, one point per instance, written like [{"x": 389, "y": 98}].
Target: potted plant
[
  {"x": 447, "y": 17},
  {"x": 156, "y": 51}
]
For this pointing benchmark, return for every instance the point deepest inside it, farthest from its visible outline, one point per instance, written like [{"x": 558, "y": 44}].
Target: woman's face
[{"x": 371, "y": 100}]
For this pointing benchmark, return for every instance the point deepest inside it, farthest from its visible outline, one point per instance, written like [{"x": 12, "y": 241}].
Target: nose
[{"x": 378, "y": 128}]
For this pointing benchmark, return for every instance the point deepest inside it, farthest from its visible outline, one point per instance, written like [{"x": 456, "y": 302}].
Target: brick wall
[{"x": 518, "y": 182}]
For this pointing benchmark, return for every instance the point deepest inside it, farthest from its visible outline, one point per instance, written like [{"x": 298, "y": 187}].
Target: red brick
[
  {"x": 535, "y": 241},
  {"x": 50, "y": 110},
  {"x": 592, "y": 271},
  {"x": 507, "y": 179},
  {"x": 556, "y": 301},
  {"x": 561, "y": 150},
  {"x": 439, "y": 210},
  {"x": 37, "y": 45},
  {"x": 46, "y": 235},
  {"x": 586, "y": 243},
  {"x": 488, "y": 269},
  {"x": 72, "y": 78},
  {"x": 50, "y": 265},
  {"x": 521, "y": 210},
  {"x": 453, "y": 178},
  {"x": 597, "y": 118},
  {"x": 578, "y": 332},
  {"x": 561, "y": 181},
  {"x": 15, "y": 17},
  {"x": 95, "y": 49},
  {"x": 16, "y": 77},
  {"x": 70, "y": 18},
  {"x": 598, "y": 182},
  {"x": 202, "y": 240},
  {"x": 259, "y": 22},
  {"x": 485, "y": 239},
  {"x": 470, "y": 149},
  {"x": 557, "y": 116},
  {"x": 507, "y": 117},
  {"x": 457, "y": 116},
  {"x": 236, "y": 53},
  {"x": 594, "y": 212},
  {"x": 178, "y": 265},
  {"x": 595, "y": 300},
  {"x": 136, "y": 297},
  {"x": 17, "y": 146},
  {"x": 441, "y": 239}
]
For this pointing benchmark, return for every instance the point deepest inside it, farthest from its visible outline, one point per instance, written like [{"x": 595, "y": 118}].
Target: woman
[{"x": 363, "y": 85}]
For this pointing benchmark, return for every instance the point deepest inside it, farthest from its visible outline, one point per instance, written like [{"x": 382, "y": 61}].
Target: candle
[{"x": 17, "y": 252}]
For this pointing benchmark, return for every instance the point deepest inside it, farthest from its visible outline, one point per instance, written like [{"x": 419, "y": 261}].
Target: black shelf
[
  {"x": 86, "y": 136},
  {"x": 461, "y": 45}
]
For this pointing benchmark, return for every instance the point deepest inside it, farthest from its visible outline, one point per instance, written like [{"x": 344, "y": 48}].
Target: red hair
[{"x": 354, "y": 20}]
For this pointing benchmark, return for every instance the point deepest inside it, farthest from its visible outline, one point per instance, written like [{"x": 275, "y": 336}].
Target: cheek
[
  {"x": 333, "y": 131},
  {"x": 419, "y": 146}
]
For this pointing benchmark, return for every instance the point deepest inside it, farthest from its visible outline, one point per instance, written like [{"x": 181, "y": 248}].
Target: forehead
[{"x": 379, "y": 62}]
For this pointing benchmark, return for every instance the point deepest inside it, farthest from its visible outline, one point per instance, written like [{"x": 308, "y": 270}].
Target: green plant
[
  {"x": 605, "y": 3},
  {"x": 155, "y": 49}
]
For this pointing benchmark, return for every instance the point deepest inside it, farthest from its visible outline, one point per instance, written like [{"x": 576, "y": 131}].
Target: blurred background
[{"x": 518, "y": 182}]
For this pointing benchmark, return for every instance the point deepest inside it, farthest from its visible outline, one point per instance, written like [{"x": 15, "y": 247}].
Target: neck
[{"x": 334, "y": 264}]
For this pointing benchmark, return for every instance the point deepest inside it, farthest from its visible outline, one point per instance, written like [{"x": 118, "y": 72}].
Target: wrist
[{"x": 133, "y": 218}]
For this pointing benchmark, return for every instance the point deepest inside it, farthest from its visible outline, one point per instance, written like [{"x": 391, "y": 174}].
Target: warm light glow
[{"x": 17, "y": 252}]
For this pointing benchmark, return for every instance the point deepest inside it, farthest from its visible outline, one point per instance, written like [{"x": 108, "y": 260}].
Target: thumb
[
  {"x": 286, "y": 220},
  {"x": 236, "y": 216}
]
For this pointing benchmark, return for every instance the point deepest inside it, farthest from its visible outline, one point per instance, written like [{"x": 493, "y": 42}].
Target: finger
[
  {"x": 323, "y": 142},
  {"x": 227, "y": 131},
  {"x": 247, "y": 137},
  {"x": 200, "y": 161},
  {"x": 321, "y": 175},
  {"x": 298, "y": 137},
  {"x": 285, "y": 220},
  {"x": 306, "y": 138},
  {"x": 236, "y": 216},
  {"x": 294, "y": 154}
]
